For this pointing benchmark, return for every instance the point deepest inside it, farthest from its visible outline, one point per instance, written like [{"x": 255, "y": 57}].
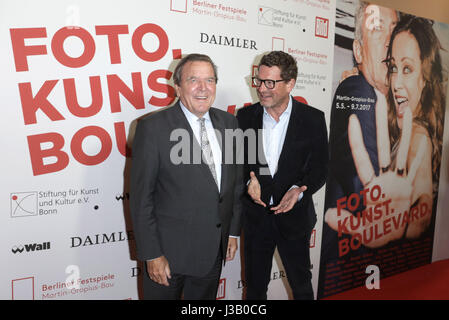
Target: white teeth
[{"x": 401, "y": 100}]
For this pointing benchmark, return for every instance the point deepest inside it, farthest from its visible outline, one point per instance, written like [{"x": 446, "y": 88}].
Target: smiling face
[
  {"x": 278, "y": 97},
  {"x": 407, "y": 80},
  {"x": 197, "y": 87}
]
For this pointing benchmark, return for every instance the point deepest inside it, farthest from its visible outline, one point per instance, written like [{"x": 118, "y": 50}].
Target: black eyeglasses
[{"x": 269, "y": 84}]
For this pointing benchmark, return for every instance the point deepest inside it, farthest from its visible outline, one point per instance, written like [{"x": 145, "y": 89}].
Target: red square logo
[
  {"x": 313, "y": 238},
  {"x": 321, "y": 27},
  {"x": 221, "y": 293},
  {"x": 253, "y": 74},
  {"x": 177, "y": 54}
]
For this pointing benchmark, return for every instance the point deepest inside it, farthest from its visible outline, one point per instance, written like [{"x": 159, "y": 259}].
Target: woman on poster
[
  {"x": 407, "y": 183},
  {"x": 416, "y": 82}
]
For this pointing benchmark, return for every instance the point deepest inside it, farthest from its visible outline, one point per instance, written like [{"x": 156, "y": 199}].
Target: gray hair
[
  {"x": 190, "y": 58},
  {"x": 359, "y": 19}
]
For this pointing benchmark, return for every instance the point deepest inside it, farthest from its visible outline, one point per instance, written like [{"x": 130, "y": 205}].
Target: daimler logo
[
  {"x": 31, "y": 247},
  {"x": 227, "y": 41},
  {"x": 102, "y": 238}
]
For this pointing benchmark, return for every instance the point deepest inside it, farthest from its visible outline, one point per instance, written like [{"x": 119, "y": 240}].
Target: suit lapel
[{"x": 258, "y": 126}]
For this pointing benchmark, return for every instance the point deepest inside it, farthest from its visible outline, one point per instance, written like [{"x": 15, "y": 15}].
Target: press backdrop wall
[{"x": 75, "y": 77}]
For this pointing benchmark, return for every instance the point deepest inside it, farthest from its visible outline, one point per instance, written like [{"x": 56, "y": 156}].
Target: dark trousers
[
  {"x": 194, "y": 288},
  {"x": 259, "y": 247}
]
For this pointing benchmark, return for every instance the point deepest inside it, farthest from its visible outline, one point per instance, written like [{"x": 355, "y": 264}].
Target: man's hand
[
  {"x": 159, "y": 270},
  {"x": 288, "y": 200},
  {"x": 232, "y": 248},
  {"x": 254, "y": 189}
]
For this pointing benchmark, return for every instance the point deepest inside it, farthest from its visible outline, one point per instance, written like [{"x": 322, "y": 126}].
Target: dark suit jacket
[
  {"x": 303, "y": 161},
  {"x": 177, "y": 210},
  {"x": 343, "y": 179}
]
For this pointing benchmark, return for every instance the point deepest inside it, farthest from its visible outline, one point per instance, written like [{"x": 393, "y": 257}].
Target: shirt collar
[
  {"x": 286, "y": 111},
  {"x": 190, "y": 116}
]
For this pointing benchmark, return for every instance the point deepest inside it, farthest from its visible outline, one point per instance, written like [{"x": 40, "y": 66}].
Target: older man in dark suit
[
  {"x": 186, "y": 214},
  {"x": 279, "y": 210}
]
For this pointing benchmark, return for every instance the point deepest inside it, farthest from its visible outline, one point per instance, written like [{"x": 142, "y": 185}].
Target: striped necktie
[{"x": 208, "y": 157}]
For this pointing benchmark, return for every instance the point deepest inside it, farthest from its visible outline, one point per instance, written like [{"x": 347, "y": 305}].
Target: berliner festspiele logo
[{"x": 23, "y": 204}]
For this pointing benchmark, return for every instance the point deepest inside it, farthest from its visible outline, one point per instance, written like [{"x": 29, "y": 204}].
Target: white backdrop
[
  {"x": 75, "y": 77},
  {"x": 72, "y": 88}
]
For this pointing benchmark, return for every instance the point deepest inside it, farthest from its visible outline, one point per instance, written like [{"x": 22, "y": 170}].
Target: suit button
[
  {"x": 220, "y": 200},
  {"x": 218, "y": 225}
]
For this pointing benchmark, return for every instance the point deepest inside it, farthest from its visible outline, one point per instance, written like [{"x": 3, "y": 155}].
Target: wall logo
[
  {"x": 321, "y": 27},
  {"x": 221, "y": 293},
  {"x": 31, "y": 247},
  {"x": 23, "y": 204},
  {"x": 122, "y": 197}
]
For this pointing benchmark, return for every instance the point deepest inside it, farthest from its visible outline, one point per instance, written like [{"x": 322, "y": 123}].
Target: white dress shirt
[
  {"x": 273, "y": 139},
  {"x": 215, "y": 146}
]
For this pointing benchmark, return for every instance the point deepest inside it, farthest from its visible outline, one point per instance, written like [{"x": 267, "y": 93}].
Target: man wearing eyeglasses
[{"x": 279, "y": 210}]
